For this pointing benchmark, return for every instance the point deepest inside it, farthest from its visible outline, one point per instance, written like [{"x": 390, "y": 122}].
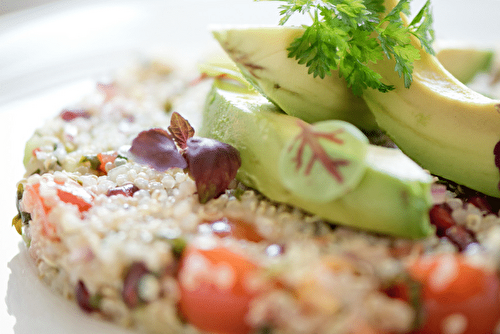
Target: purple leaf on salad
[
  {"x": 212, "y": 164},
  {"x": 180, "y": 129},
  {"x": 156, "y": 148}
]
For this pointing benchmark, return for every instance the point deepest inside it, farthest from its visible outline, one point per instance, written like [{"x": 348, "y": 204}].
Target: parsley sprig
[{"x": 348, "y": 35}]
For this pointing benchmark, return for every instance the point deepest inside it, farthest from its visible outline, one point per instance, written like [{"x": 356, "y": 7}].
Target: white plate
[{"x": 51, "y": 55}]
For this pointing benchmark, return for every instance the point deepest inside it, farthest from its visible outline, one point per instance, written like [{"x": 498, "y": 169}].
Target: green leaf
[
  {"x": 422, "y": 27},
  {"x": 350, "y": 35},
  {"x": 324, "y": 161},
  {"x": 18, "y": 224}
]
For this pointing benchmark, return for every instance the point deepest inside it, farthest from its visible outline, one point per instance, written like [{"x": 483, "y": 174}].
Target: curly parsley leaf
[{"x": 349, "y": 35}]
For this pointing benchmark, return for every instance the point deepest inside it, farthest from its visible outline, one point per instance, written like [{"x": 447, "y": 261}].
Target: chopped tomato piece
[
  {"x": 38, "y": 149},
  {"x": 81, "y": 199},
  {"x": 104, "y": 158},
  {"x": 214, "y": 292},
  {"x": 33, "y": 203},
  {"x": 456, "y": 294},
  {"x": 67, "y": 191},
  {"x": 235, "y": 228}
]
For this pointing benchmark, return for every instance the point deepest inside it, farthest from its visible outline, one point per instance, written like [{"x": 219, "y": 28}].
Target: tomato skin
[
  {"x": 473, "y": 293},
  {"x": 207, "y": 305}
]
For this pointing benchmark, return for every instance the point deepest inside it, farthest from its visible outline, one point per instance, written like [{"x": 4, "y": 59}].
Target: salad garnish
[
  {"x": 212, "y": 164},
  {"x": 324, "y": 161},
  {"x": 180, "y": 129}
]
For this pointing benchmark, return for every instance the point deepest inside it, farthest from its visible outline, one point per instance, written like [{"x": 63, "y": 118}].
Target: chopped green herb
[
  {"x": 18, "y": 224},
  {"x": 93, "y": 160},
  {"x": 19, "y": 195},
  {"x": 349, "y": 35},
  {"x": 95, "y": 301},
  {"x": 265, "y": 330},
  {"x": 25, "y": 217},
  {"x": 238, "y": 192},
  {"x": 21, "y": 217},
  {"x": 168, "y": 105},
  {"x": 178, "y": 246}
]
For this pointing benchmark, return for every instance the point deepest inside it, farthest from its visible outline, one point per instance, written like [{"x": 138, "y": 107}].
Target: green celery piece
[{"x": 392, "y": 197}]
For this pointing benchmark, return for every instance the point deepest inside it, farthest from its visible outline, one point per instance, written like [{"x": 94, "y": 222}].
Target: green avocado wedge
[
  {"x": 376, "y": 189},
  {"x": 260, "y": 52},
  {"x": 465, "y": 61},
  {"x": 443, "y": 125}
]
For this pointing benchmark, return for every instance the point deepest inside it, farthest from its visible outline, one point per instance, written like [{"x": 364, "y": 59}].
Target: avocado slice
[
  {"x": 443, "y": 125},
  {"x": 464, "y": 61},
  {"x": 386, "y": 192},
  {"x": 260, "y": 52}
]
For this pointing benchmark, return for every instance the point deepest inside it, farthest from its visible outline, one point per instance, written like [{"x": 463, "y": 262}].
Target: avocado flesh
[
  {"x": 463, "y": 61},
  {"x": 262, "y": 56},
  {"x": 440, "y": 123},
  {"x": 392, "y": 197},
  {"x": 260, "y": 52}
]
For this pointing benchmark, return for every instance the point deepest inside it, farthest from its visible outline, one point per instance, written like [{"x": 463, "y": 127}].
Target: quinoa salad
[
  {"x": 139, "y": 245},
  {"x": 135, "y": 246}
]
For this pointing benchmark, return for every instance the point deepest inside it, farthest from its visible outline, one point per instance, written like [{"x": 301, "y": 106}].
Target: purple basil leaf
[
  {"x": 212, "y": 165},
  {"x": 180, "y": 129},
  {"x": 156, "y": 149}
]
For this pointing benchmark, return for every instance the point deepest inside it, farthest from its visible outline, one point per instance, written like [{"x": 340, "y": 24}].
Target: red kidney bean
[
  {"x": 446, "y": 226},
  {"x": 69, "y": 115},
  {"x": 130, "y": 292},
  {"x": 126, "y": 190},
  {"x": 83, "y": 298}
]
